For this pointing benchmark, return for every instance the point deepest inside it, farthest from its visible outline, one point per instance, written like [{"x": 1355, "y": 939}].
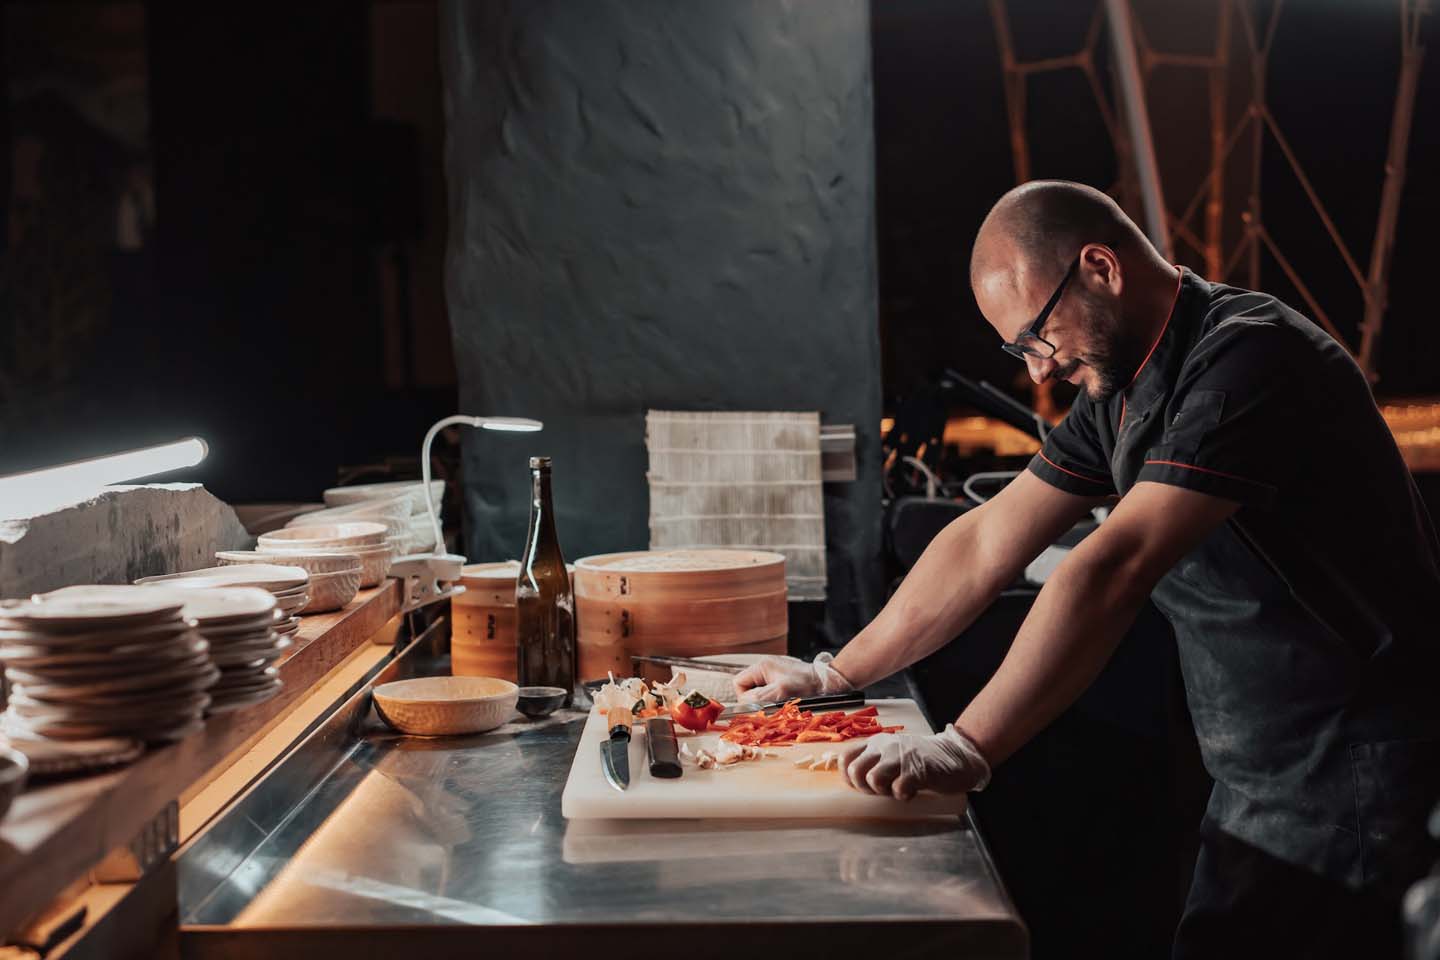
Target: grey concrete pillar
[{"x": 659, "y": 205}]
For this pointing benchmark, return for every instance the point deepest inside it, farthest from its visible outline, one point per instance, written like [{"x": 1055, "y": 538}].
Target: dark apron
[{"x": 1306, "y": 768}]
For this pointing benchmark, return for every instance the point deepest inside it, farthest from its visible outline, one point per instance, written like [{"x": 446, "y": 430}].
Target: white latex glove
[
  {"x": 783, "y": 678},
  {"x": 901, "y": 764}
]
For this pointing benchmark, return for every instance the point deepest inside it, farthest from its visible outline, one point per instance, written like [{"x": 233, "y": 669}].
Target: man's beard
[{"x": 1114, "y": 357}]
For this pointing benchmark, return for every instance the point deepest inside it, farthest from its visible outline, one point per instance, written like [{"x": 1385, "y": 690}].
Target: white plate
[
  {"x": 221, "y": 606},
  {"x": 266, "y": 576},
  {"x": 88, "y": 608}
]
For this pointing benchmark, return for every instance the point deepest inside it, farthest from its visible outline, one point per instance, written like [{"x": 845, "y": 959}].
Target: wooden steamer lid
[{"x": 678, "y": 603}]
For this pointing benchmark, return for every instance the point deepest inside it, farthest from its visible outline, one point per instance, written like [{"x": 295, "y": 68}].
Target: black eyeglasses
[{"x": 1030, "y": 343}]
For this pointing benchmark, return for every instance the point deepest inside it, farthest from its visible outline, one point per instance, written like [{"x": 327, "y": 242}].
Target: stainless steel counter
[{"x": 367, "y": 840}]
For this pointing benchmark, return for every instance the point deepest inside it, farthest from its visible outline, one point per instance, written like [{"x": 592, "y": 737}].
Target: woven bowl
[
  {"x": 374, "y": 561},
  {"x": 311, "y": 563},
  {"x": 331, "y": 591},
  {"x": 446, "y": 706}
]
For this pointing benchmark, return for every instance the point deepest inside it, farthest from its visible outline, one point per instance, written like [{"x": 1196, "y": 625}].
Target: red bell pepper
[{"x": 696, "y": 712}]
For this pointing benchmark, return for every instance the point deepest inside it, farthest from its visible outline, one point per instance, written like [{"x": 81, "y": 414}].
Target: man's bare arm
[
  {"x": 1084, "y": 610},
  {"x": 961, "y": 573}
]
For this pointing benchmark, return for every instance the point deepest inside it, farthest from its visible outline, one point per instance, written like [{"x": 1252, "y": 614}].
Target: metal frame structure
[{"x": 1138, "y": 182}]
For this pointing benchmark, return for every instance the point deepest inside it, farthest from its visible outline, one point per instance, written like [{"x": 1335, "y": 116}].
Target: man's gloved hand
[
  {"x": 783, "y": 678},
  {"x": 901, "y": 764}
]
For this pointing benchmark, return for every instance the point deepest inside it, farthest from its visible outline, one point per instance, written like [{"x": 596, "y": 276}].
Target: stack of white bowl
[
  {"x": 103, "y": 661},
  {"x": 366, "y": 541},
  {"x": 334, "y": 577},
  {"x": 420, "y": 536},
  {"x": 391, "y": 512}
]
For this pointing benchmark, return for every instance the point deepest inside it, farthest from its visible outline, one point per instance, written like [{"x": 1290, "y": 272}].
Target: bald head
[{"x": 1039, "y": 227}]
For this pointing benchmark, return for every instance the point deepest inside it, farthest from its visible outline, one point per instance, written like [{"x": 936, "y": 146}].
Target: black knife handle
[{"x": 664, "y": 752}]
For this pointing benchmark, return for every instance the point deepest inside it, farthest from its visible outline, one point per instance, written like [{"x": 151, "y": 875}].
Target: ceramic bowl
[
  {"x": 331, "y": 591},
  {"x": 397, "y": 508},
  {"x": 13, "y": 768},
  {"x": 324, "y": 537},
  {"x": 536, "y": 702},
  {"x": 311, "y": 563},
  {"x": 414, "y": 489},
  {"x": 446, "y": 706}
]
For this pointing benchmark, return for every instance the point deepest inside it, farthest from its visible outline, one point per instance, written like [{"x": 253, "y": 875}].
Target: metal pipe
[
  {"x": 1131, "y": 92},
  {"x": 1219, "y": 150},
  {"x": 1377, "y": 281}
]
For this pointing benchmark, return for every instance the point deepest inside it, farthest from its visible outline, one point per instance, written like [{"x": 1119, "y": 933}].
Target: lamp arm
[{"x": 425, "y": 470}]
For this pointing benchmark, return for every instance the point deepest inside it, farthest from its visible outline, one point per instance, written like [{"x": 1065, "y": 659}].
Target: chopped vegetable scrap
[
  {"x": 829, "y": 760},
  {"x": 641, "y": 699},
  {"x": 725, "y": 754},
  {"x": 790, "y": 725}
]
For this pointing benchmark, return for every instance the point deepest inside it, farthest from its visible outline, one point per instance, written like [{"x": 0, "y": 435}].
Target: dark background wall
[
  {"x": 284, "y": 300},
  {"x": 659, "y": 205}
]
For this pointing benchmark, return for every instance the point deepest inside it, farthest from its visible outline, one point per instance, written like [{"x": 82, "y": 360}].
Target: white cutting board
[{"x": 771, "y": 787}]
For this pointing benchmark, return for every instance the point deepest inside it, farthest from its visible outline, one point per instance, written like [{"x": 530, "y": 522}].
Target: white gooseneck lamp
[{"x": 503, "y": 424}]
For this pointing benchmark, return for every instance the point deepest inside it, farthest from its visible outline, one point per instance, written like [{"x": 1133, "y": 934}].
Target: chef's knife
[
  {"x": 664, "y": 753},
  {"x": 831, "y": 701},
  {"x": 615, "y": 756},
  {"x": 689, "y": 663}
]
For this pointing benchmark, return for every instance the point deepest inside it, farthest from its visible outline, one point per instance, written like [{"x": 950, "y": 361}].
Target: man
[{"x": 1264, "y": 507}]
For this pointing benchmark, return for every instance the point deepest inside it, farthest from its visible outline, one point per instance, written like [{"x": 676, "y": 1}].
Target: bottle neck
[
  {"x": 540, "y": 489},
  {"x": 542, "y": 511}
]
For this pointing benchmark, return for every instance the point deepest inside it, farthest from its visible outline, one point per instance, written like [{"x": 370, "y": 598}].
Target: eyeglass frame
[{"x": 1019, "y": 347}]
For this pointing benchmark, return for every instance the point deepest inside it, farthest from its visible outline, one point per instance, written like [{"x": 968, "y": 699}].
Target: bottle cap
[{"x": 539, "y": 463}]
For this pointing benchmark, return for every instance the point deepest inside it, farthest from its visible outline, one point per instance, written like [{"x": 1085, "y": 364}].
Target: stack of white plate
[
  {"x": 368, "y": 542},
  {"x": 96, "y": 662},
  {"x": 290, "y": 585},
  {"x": 419, "y": 535},
  {"x": 239, "y": 624}
]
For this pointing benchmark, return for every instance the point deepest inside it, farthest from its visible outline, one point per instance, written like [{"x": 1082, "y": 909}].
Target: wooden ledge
[{"x": 55, "y": 833}]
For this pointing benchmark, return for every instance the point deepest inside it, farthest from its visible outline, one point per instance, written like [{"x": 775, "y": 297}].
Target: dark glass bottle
[{"x": 544, "y": 598}]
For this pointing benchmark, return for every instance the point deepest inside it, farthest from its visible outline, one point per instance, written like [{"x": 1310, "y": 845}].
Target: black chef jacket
[{"x": 1305, "y": 623}]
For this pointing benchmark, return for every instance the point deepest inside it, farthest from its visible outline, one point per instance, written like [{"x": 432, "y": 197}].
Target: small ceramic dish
[
  {"x": 537, "y": 702},
  {"x": 446, "y": 706}
]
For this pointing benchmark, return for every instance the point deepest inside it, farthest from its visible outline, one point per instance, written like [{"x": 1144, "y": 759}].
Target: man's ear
[{"x": 1100, "y": 268}]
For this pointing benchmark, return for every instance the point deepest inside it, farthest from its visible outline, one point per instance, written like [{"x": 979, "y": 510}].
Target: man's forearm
[
  {"x": 1073, "y": 628},
  {"x": 955, "y": 579}
]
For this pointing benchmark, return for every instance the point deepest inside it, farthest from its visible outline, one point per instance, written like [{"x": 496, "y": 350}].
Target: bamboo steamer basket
[
  {"x": 482, "y": 633},
  {"x": 685, "y": 603}
]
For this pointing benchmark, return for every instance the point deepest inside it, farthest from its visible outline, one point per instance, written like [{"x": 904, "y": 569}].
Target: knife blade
[
  {"x": 615, "y": 757},
  {"x": 831, "y": 701}
]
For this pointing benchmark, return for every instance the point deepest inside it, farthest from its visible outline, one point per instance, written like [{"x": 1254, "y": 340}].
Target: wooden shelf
[{"x": 56, "y": 833}]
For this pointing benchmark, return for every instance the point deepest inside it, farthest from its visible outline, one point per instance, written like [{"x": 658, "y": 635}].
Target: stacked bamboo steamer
[
  {"x": 482, "y": 637},
  {"x": 686, "y": 603}
]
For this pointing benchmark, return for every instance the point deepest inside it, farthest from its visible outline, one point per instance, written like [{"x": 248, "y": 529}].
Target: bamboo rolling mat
[{"x": 747, "y": 480}]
